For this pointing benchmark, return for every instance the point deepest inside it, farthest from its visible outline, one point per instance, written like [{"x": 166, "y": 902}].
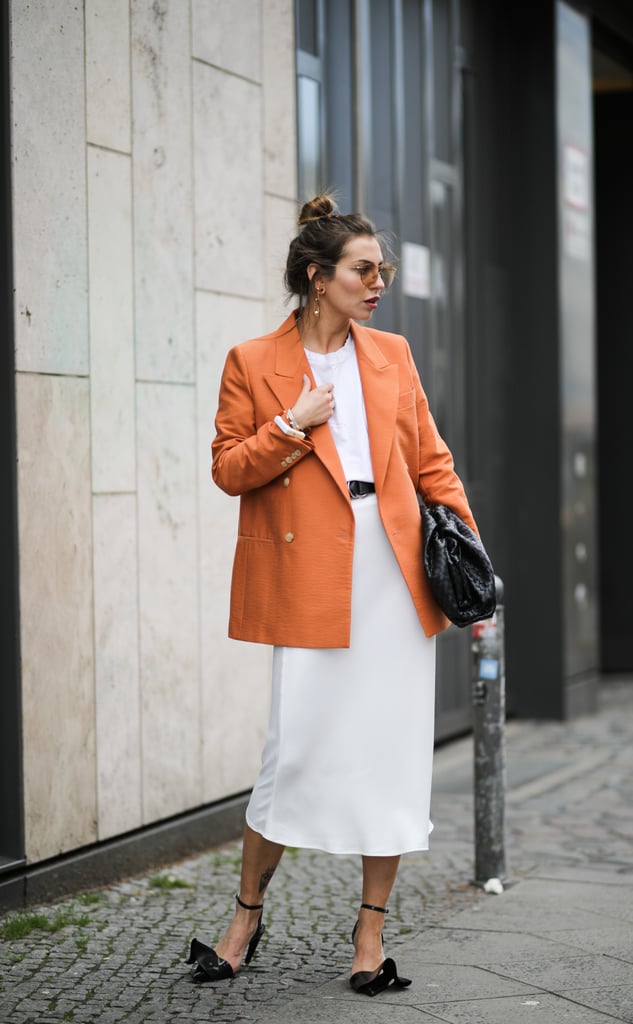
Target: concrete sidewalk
[{"x": 556, "y": 946}]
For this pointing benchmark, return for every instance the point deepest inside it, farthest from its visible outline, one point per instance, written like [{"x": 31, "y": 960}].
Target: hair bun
[{"x": 315, "y": 209}]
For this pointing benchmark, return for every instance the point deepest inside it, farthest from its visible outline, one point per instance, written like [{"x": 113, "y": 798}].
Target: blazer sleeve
[
  {"x": 438, "y": 483},
  {"x": 247, "y": 454}
]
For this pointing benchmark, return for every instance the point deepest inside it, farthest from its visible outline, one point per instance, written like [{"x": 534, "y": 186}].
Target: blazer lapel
[
  {"x": 291, "y": 363},
  {"x": 380, "y": 381}
]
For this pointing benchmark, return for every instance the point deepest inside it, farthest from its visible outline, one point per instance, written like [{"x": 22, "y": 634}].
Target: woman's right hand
[{"x": 314, "y": 405}]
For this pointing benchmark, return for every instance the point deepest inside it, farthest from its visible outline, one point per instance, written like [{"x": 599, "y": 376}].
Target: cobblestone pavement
[
  {"x": 123, "y": 960},
  {"x": 116, "y": 955}
]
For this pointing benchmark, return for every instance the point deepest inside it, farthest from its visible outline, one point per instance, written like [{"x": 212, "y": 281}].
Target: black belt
[{"x": 360, "y": 488}]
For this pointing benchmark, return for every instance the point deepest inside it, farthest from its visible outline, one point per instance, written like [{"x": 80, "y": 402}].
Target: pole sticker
[{"x": 489, "y": 668}]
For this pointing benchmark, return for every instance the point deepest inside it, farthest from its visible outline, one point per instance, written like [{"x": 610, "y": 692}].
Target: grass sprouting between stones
[
  {"x": 89, "y": 898},
  {"x": 169, "y": 882},
  {"x": 18, "y": 926}
]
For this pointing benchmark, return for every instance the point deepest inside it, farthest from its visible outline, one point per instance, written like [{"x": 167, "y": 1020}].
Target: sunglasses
[{"x": 369, "y": 273}]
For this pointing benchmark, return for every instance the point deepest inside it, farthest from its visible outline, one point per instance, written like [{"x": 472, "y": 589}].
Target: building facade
[
  {"x": 152, "y": 196},
  {"x": 153, "y": 157}
]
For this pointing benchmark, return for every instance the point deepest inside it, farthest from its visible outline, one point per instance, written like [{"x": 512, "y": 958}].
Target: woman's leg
[
  {"x": 260, "y": 858},
  {"x": 379, "y": 875}
]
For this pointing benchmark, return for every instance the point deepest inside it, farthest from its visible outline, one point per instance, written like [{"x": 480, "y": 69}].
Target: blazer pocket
[{"x": 406, "y": 400}]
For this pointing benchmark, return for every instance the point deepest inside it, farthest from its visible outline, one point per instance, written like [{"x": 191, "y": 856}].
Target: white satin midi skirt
[{"x": 347, "y": 762}]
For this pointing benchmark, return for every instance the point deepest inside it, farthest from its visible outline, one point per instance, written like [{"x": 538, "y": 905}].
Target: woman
[{"x": 324, "y": 432}]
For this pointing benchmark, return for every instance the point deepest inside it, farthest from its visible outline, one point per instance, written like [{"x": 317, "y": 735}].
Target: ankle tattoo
[{"x": 265, "y": 878}]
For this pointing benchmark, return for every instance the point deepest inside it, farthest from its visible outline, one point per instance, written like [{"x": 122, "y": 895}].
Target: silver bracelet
[
  {"x": 290, "y": 416},
  {"x": 291, "y": 419}
]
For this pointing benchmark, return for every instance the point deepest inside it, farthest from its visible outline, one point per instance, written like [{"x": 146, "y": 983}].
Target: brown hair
[{"x": 321, "y": 239}]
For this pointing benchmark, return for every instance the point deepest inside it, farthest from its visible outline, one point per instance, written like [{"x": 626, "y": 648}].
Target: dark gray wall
[
  {"x": 512, "y": 317},
  {"x": 516, "y": 377},
  {"x": 614, "y": 232}
]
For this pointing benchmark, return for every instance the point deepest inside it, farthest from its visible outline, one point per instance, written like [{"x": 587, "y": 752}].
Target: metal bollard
[{"x": 488, "y": 667}]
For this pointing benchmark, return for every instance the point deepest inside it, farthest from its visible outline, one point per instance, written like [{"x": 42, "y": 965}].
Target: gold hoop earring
[{"x": 317, "y": 308}]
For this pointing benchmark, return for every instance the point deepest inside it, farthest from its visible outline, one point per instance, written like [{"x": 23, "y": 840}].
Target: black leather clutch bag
[{"x": 457, "y": 566}]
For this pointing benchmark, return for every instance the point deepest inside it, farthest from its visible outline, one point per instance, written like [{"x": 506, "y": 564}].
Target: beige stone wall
[{"x": 153, "y": 199}]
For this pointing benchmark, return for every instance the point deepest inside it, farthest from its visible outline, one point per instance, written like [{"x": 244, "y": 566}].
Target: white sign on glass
[{"x": 416, "y": 278}]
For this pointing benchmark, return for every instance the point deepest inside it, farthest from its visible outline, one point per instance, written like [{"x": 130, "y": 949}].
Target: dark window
[{"x": 307, "y": 26}]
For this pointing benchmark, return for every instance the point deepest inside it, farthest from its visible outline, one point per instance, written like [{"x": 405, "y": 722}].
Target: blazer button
[
  {"x": 286, "y": 481},
  {"x": 289, "y": 537}
]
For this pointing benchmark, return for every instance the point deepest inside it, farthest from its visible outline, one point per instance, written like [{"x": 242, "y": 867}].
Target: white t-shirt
[{"x": 348, "y": 422}]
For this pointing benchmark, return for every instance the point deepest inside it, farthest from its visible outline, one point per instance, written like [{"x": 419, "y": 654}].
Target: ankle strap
[
  {"x": 379, "y": 910},
  {"x": 249, "y": 906}
]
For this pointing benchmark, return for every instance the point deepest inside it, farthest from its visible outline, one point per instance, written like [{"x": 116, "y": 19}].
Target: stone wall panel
[{"x": 55, "y": 538}]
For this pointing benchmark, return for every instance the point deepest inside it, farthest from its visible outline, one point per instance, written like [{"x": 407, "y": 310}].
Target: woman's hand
[{"x": 314, "y": 405}]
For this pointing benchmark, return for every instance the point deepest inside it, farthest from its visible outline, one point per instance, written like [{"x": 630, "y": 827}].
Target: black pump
[
  {"x": 371, "y": 983},
  {"x": 209, "y": 966}
]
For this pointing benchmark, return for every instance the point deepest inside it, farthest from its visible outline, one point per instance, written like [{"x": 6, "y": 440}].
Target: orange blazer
[{"x": 292, "y": 573}]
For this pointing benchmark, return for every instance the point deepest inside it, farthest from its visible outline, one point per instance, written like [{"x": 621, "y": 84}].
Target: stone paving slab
[
  {"x": 463, "y": 946},
  {"x": 330, "y": 1010},
  {"x": 566, "y": 974},
  {"x": 616, "y": 1000},
  {"x": 602, "y": 874},
  {"x": 612, "y": 899},
  {"x": 523, "y": 916},
  {"x": 519, "y": 1010},
  {"x": 616, "y": 941},
  {"x": 436, "y": 983}
]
